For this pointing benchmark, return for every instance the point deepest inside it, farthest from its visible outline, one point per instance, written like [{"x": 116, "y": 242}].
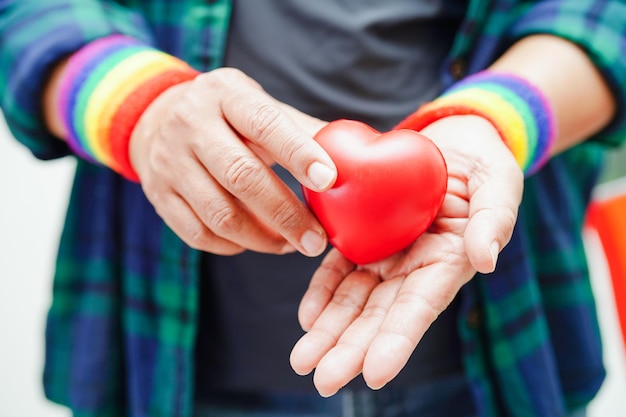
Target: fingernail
[
  {"x": 495, "y": 250},
  {"x": 313, "y": 243},
  {"x": 320, "y": 175}
]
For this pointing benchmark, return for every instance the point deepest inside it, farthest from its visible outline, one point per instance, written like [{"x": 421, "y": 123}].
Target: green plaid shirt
[{"x": 122, "y": 327}]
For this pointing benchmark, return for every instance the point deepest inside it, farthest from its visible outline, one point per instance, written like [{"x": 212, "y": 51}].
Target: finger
[
  {"x": 245, "y": 176},
  {"x": 424, "y": 295},
  {"x": 345, "y": 361},
  {"x": 221, "y": 213},
  {"x": 494, "y": 204},
  {"x": 494, "y": 179},
  {"x": 346, "y": 304},
  {"x": 456, "y": 202},
  {"x": 179, "y": 217},
  {"x": 454, "y": 212},
  {"x": 240, "y": 172},
  {"x": 263, "y": 121},
  {"x": 332, "y": 271}
]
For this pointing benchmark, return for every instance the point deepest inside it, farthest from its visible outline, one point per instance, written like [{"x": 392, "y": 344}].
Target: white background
[{"x": 33, "y": 197}]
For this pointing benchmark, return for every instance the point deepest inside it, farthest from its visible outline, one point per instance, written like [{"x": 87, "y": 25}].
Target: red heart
[{"x": 389, "y": 189}]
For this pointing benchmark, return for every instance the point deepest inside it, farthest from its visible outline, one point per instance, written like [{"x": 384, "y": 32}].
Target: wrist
[
  {"x": 516, "y": 109},
  {"x": 52, "y": 116},
  {"x": 104, "y": 89},
  {"x": 446, "y": 131},
  {"x": 463, "y": 135},
  {"x": 146, "y": 129}
]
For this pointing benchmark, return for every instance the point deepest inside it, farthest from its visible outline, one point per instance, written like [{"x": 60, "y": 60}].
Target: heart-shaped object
[{"x": 389, "y": 189}]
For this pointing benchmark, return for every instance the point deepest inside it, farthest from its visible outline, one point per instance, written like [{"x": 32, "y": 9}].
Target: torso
[{"x": 367, "y": 60}]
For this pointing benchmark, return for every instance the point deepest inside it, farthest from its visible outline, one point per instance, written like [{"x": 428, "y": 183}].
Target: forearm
[
  {"x": 579, "y": 96},
  {"x": 35, "y": 36}
]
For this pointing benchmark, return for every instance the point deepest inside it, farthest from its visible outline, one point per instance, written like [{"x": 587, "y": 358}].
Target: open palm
[{"x": 368, "y": 319}]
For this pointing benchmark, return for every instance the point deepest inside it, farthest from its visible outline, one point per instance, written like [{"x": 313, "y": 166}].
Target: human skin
[
  {"x": 218, "y": 193},
  {"x": 368, "y": 319},
  {"x": 213, "y": 188}
]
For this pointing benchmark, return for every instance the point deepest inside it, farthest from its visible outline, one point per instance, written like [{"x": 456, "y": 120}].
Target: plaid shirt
[{"x": 122, "y": 326}]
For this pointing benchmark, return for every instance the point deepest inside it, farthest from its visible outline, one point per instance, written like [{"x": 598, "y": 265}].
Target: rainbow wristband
[
  {"x": 106, "y": 87},
  {"x": 517, "y": 109}
]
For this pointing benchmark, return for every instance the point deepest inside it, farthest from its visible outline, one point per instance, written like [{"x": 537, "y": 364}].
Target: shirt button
[
  {"x": 474, "y": 318},
  {"x": 458, "y": 68}
]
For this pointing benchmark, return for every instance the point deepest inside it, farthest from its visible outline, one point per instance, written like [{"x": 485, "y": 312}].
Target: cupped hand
[
  {"x": 368, "y": 319},
  {"x": 203, "y": 151}
]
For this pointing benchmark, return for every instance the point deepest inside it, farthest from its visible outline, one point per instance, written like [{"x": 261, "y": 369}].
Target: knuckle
[
  {"x": 159, "y": 200},
  {"x": 180, "y": 116},
  {"x": 160, "y": 159},
  {"x": 224, "y": 220},
  {"x": 263, "y": 121},
  {"x": 196, "y": 236},
  {"x": 432, "y": 308},
  {"x": 347, "y": 300},
  {"x": 221, "y": 77},
  {"x": 285, "y": 217},
  {"x": 244, "y": 176},
  {"x": 374, "y": 312},
  {"x": 510, "y": 218},
  {"x": 325, "y": 335},
  {"x": 266, "y": 123},
  {"x": 189, "y": 229},
  {"x": 355, "y": 347},
  {"x": 291, "y": 148}
]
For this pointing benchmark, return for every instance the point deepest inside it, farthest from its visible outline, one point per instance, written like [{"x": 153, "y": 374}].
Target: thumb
[{"x": 493, "y": 213}]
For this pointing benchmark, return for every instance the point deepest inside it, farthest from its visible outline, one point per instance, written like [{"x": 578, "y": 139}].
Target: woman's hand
[
  {"x": 369, "y": 319},
  {"x": 203, "y": 151}
]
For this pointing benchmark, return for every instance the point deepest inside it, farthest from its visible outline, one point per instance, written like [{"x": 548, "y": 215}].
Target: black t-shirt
[{"x": 370, "y": 60}]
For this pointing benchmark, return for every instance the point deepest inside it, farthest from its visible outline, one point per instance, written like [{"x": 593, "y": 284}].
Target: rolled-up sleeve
[
  {"x": 597, "y": 26},
  {"x": 34, "y": 36}
]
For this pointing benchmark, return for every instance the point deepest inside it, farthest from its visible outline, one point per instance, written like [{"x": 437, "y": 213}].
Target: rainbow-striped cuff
[
  {"x": 516, "y": 108},
  {"x": 106, "y": 87}
]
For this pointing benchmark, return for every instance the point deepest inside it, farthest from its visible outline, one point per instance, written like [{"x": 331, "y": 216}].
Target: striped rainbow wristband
[
  {"x": 517, "y": 109},
  {"x": 106, "y": 87}
]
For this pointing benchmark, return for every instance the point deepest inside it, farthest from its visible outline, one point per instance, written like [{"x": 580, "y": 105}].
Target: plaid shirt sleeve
[
  {"x": 530, "y": 333},
  {"x": 34, "y": 36},
  {"x": 597, "y": 26}
]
